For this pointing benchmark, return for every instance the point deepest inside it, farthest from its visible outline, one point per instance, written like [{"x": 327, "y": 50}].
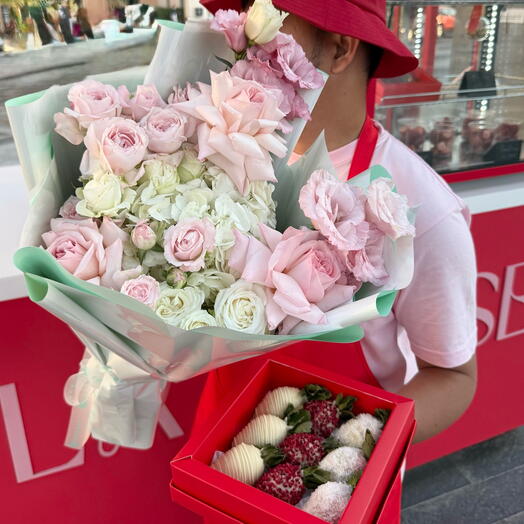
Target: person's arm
[{"x": 441, "y": 395}]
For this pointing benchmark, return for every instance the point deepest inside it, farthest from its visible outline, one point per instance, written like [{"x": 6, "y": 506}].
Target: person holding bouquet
[{"x": 425, "y": 348}]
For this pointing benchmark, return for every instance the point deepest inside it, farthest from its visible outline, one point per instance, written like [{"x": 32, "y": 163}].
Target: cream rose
[
  {"x": 242, "y": 307},
  {"x": 175, "y": 304},
  {"x": 104, "y": 195},
  {"x": 190, "y": 167},
  {"x": 263, "y": 22},
  {"x": 197, "y": 319},
  {"x": 162, "y": 174}
]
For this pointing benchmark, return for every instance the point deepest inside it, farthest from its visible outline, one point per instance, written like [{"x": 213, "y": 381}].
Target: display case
[{"x": 462, "y": 110}]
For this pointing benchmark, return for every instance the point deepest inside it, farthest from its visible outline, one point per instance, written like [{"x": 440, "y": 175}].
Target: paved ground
[{"x": 483, "y": 484}]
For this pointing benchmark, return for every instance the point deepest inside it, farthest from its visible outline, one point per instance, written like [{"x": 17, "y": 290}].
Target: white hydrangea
[
  {"x": 353, "y": 432},
  {"x": 193, "y": 203},
  {"x": 210, "y": 281},
  {"x": 259, "y": 201}
]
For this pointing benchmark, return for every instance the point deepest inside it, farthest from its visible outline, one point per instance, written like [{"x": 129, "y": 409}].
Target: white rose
[
  {"x": 210, "y": 281},
  {"x": 162, "y": 174},
  {"x": 242, "y": 307},
  {"x": 104, "y": 195},
  {"x": 263, "y": 22},
  {"x": 197, "y": 319},
  {"x": 175, "y": 304},
  {"x": 260, "y": 202},
  {"x": 190, "y": 167}
]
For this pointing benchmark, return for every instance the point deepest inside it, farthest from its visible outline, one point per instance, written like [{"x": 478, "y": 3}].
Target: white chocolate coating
[
  {"x": 262, "y": 430},
  {"x": 243, "y": 462},
  {"x": 352, "y": 432},
  {"x": 276, "y": 401}
]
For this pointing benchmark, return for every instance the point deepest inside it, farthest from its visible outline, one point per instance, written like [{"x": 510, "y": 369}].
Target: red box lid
[{"x": 192, "y": 474}]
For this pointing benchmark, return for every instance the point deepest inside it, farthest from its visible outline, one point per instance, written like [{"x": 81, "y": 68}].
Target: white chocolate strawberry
[
  {"x": 243, "y": 462},
  {"x": 263, "y": 430},
  {"x": 276, "y": 401}
]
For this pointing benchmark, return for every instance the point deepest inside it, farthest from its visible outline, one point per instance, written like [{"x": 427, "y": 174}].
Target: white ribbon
[{"x": 114, "y": 402}]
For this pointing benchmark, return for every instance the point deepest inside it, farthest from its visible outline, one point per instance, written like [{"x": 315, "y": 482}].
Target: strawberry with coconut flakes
[
  {"x": 343, "y": 462},
  {"x": 353, "y": 432},
  {"x": 328, "y": 501},
  {"x": 288, "y": 482}
]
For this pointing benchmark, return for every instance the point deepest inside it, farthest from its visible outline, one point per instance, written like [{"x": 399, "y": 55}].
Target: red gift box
[{"x": 193, "y": 477}]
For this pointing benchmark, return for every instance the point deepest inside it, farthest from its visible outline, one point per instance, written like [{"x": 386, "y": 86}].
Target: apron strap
[{"x": 366, "y": 143}]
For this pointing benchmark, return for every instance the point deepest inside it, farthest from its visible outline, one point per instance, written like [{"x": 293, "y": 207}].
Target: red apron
[{"x": 225, "y": 383}]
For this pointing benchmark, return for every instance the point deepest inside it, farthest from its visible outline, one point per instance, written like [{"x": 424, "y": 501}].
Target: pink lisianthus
[
  {"x": 115, "y": 144},
  {"x": 88, "y": 252},
  {"x": 145, "y": 289},
  {"x": 166, "y": 129},
  {"x": 367, "y": 264},
  {"x": 288, "y": 58},
  {"x": 146, "y": 97},
  {"x": 186, "y": 243},
  {"x": 388, "y": 210},
  {"x": 237, "y": 130},
  {"x": 231, "y": 23},
  {"x": 336, "y": 210},
  {"x": 68, "y": 209},
  {"x": 300, "y": 271}
]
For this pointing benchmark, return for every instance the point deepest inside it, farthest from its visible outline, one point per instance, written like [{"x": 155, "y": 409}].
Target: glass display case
[{"x": 462, "y": 110}]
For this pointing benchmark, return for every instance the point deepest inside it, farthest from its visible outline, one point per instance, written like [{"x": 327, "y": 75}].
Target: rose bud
[
  {"x": 176, "y": 278},
  {"x": 143, "y": 237}
]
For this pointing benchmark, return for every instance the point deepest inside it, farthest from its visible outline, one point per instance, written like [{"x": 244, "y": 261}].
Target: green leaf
[
  {"x": 382, "y": 415},
  {"x": 304, "y": 427},
  {"x": 227, "y": 63},
  {"x": 317, "y": 392},
  {"x": 272, "y": 456},
  {"x": 345, "y": 406},
  {"x": 288, "y": 410},
  {"x": 368, "y": 445},
  {"x": 354, "y": 478},
  {"x": 313, "y": 476},
  {"x": 296, "y": 417},
  {"x": 330, "y": 444}
]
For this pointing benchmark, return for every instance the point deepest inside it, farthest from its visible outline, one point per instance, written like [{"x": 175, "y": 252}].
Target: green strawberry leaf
[
  {"x": 317, "y": 392},
  {"x": 330, "y": 444},
  {"x": 354, "y": 478},
  {"x": 368, "y": 445},
  {"x": 272, "y": 456},
  {"x": 313, "y": 476},
  {"x": 297, "y": 416},
  {"x": 382, "y": 415},
  {"x": 345, "y": 406},
  {"x": 290, "y": 408},
  {"x": 304, "y": 427}
]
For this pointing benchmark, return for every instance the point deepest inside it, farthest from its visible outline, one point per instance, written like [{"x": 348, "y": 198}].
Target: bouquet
[
  {"x": 183, "y": 240},
  {"x": 305, "y": 447}
]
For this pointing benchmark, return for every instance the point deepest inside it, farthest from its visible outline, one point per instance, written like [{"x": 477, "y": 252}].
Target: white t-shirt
[{"x": 434, "y": 318}]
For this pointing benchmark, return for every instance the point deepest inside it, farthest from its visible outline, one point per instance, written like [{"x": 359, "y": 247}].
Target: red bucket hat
[{"x": 362, "y": 19}]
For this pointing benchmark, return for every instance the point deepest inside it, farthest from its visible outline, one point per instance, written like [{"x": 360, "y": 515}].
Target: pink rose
[
  {"x": 367, "y": 264},
  {"x": 87, "y": 252},
  {"x": 91, "y": 100},
  {"x": 237, "y": 130},
  {"x": 166, "y": 129},
  {"x": 284, "y": 91},
  {"x": 388, "y": 210},
  {"x": 146, "y": 97},
  {"x": 68, "y": 209},
  {"x": 231, "y": 23},
  {"x": 186, "y": 243},
  {"x": 142, "y": 236},
  {"x": 145, "y": 289},
  {"x": 300, "y": 271},
  {"x": 116, "y": 144},
  {"x": 336, "y": 209}
]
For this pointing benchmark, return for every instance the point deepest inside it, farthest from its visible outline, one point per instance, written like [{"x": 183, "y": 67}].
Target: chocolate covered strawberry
[
  {"x": 288, "y": 482},
  {"x": 303, "y": 449}
]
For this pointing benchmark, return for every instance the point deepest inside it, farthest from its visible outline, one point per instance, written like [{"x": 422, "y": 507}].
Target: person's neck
[{"x": 340, "y": 112}]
